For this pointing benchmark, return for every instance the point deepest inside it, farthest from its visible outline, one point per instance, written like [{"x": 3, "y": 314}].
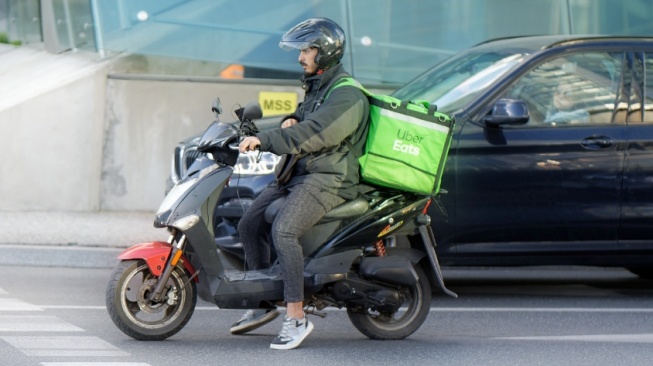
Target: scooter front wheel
[{"x": 129, "y": 305}]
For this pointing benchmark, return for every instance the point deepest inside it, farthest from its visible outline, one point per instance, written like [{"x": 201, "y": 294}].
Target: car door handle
[{"x": 597, "y": 142}]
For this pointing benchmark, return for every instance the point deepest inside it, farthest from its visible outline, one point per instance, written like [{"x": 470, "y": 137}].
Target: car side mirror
[{"x": 508, "y": 112}]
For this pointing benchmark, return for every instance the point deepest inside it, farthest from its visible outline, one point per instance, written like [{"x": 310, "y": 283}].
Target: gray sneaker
[
  {"x": 292, "y": 333},
  {"x": 253, "y": 319}
]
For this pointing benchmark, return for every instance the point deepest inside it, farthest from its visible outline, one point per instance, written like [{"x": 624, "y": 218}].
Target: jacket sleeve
[
  {"x": 338, "y": 117},
  {"x": 289, "y": 116}
]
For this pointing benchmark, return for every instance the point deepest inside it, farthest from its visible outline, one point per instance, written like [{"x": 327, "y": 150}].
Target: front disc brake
[{"x": 144, "y": 302}]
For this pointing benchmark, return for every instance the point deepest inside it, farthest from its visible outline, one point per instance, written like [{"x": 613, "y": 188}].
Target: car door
[
  {"x": 553, "y": 183},
  {"x": 636, "y": 229}
]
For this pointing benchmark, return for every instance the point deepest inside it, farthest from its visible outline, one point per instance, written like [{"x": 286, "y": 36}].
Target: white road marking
[
  {"x": 74, "y": 307},
  {"x": 64, "y": 346},
  {"x": 58, "y": 342},
  {"x": 54, "y": 346},
  {"x": 548, "y": 310},
  {"x": 94, "y": 364},
  {"x": 35, "y": 323},
  {"x": 10, "y": 304},
  {"x": 450, "y": 309},
  {"x": 619, "y": 338},
  {"x": 74, "y": 353}
]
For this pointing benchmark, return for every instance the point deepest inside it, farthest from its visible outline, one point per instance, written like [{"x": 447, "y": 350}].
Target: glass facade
[
  {"x": 20, "y": 21},
  {"x": 389, "y": 41},
  {"x": 73, "y": 24}
]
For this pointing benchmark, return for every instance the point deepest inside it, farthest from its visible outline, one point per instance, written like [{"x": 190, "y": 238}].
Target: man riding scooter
[{"x": 321, "y": 141}]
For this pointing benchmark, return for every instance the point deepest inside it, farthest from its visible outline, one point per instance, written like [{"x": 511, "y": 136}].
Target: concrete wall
[
  {"x": 76, "y": 139},
  {"x": 53, "y": 152},
  {"x": 145, "y": 120},
  {"x": 79, "y": 136},
  {"x": 98, "y": 143},
  {"x": 51, "y": 114}
]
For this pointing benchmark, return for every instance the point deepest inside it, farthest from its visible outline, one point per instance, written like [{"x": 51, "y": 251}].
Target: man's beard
[{"x": 308, "y": 74}]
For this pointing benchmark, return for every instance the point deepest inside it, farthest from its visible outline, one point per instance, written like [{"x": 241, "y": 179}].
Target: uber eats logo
[
  {"x": 407, "y": 142},
  {"x": 277, "y": 103}
]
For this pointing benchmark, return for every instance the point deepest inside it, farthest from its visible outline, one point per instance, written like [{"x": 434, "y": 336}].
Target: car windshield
[{"x": 458, "y": 80}]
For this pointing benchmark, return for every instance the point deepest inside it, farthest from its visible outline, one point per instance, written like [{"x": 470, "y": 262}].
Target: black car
[{"x": 552, "y": 157}]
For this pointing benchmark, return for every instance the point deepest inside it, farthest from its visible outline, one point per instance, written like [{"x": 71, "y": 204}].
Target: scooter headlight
[
  {"x": 206, "y": 171},
  {"x": 186, "y": 223}
]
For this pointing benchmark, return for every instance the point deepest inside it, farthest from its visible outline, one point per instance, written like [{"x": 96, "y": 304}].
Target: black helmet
[{"x": 322, "y": 33}]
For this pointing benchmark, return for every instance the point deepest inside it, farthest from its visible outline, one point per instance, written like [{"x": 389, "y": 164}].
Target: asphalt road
[{"x": 52, "y": 316}]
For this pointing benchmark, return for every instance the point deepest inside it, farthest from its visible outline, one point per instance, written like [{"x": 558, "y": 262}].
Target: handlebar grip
[{"x": 235, "y": 146}]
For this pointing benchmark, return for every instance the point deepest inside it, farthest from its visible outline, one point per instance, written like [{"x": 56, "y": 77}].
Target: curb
[{"x": 59, "y": 256}]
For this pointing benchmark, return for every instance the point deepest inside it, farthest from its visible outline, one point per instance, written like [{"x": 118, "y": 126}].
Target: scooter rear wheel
[
  {"x": 136, "y": 315},
  {"x": 400, "y": 324}
]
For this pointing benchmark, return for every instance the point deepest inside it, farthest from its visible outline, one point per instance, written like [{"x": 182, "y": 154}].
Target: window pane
[
  {"x": 648, "y": 87},
  {"x": 617, "y": 17},
  {"x": 22, "y": 21},
  {"x": 388, "y": 41},
  {"x": 394, "y": 41},
  {"x": 73, "y": 23},
  {"x": 575, "y": 89}
]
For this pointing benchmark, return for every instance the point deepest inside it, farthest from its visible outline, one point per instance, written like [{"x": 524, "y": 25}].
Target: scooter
[{"x": 352, "y": 260}]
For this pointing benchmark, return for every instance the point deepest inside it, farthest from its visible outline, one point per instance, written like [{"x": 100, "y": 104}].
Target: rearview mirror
[
  {"x": 252, "y": 111},
  {"x": 508, "y": 112},
  {"x": 216, "y": 107}
]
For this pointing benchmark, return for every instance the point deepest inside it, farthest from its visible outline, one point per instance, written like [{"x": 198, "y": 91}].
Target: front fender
[{"x": 155, "y": 254}]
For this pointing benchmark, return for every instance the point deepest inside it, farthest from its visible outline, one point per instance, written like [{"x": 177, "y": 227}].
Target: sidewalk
[{"x": 73, "y": 239}]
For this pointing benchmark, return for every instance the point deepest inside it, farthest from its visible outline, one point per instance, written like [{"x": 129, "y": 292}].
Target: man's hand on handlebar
[{"x": 249, "y": 143}]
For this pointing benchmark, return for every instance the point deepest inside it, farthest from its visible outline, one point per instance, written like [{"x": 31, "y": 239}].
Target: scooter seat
[{"x": 355, "y": 207}]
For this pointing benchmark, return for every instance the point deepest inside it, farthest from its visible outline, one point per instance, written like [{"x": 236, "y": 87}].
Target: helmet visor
[{"x": 296, "y": 45}]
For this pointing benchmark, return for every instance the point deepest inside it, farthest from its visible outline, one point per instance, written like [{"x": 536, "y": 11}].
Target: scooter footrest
[{"x": 235, "y": 276}]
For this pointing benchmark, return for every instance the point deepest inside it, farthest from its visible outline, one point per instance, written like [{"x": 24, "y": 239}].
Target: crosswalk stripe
[
  {"x": 74, "y": 353},
  {"x": 59, "y": 342},
  {"x": 53, "y": 346},
  {"x": 94, "y": 364},
  {"x": 11, "y": 304},
  {"x": 64, "y": 346},
  {"x": 35, "y": 323}
]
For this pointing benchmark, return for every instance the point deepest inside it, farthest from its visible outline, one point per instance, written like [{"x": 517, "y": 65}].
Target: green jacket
[{"x": 319, "y": 138}]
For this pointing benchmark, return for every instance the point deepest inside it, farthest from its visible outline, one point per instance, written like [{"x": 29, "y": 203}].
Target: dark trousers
[{"x": 304, "y": 207}]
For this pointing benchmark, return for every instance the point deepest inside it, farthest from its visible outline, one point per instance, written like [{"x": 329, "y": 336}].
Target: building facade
[{"x": 389, "y": 41}]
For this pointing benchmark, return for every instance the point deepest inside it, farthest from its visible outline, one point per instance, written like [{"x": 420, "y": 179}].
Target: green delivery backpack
[{"x": 407, "y": 143}]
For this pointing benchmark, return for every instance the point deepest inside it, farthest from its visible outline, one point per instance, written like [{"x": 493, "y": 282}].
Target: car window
[
  {"x": 453, "y": 83},
  {"x": 579, "y": 88},
  {"x": 647, "y": 87},
  {"x": 633, "y": 89}
]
